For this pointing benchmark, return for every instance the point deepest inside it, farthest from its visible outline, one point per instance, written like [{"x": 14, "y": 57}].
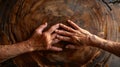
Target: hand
[
  {"x": 44, "y": 40},
  {"x": 75, "y": 35}
]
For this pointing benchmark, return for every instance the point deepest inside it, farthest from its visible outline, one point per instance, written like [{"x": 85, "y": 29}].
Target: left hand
[{"x": 75, "y": 35}]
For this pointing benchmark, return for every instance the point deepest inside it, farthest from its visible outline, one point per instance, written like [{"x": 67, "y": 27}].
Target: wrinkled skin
[
  {"x": 25, "y": 16},
  {"x": 44, "y": 40},
  {"x": 75, "y": 35},
  {"x": 79, "y": 36},
  {"x": 34, "y": 43}
]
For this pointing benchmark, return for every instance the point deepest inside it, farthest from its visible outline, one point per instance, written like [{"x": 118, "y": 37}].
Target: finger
[
  {"x": 54, "y": 35},
  {"x": 55, "y": 48},
  {"x": 71, "y": 46},
  {"x": 64, "y": 38},
  {"x": 47, "y": 39},
  {"x": 53, "y": 28},
  {"x": 67, "y": 28},
  {"x": 73, "y": 24},
  {"x": 76, "y": 26},
  {"x": 62, "y": 32},
  {"x": 41, "y": 28},
  {"x": 55, "y": 41}
]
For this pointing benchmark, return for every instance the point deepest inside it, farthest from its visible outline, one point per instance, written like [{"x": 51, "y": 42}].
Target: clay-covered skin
[{"x": 25, "y": 16}]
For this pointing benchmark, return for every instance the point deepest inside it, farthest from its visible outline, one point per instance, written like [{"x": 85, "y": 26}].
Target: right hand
[{"x": 44, "y": 40}]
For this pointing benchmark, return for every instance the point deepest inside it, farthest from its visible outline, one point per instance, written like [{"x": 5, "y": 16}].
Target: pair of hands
[{"x": 44, "y": 40}]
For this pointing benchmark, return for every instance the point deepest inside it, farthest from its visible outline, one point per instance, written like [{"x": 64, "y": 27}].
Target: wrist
[
  {"x": 34, "y": 46},
  {"x": 94, "y": 40},
  {"x": 29, "y": 45}
]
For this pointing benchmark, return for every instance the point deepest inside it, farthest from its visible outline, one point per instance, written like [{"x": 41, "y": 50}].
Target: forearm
[
  {"x": 110, "y": 46},
  {"x": 10, "y": 51}
]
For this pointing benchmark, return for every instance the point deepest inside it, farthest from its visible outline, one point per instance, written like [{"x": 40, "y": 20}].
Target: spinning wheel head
[{"x": 28, "y": 15}]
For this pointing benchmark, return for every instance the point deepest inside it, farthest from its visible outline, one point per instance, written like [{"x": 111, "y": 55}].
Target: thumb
[{"x": 41, "y": 28}]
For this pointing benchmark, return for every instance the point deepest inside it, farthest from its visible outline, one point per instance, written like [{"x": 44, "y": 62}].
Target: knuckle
[
  {"x": 37, "y": 33},
  {"x": 52, "y": 27},
  {"x": 61, "y": 37},
  {"x": 45, "y": 34},
  {"x": 58, "y": 31},
  {"x": 58, "y": 36},
  {"x": 55, "y": 26},
  {"x": 77, "y": 31},
  {"x": 42, "y": 26},
  {"x": 75, "y": 34},
  {"x": 47, "y": 48}
]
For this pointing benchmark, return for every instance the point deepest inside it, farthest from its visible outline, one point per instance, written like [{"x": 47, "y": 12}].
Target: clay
[{"x": 20, "y": 18}]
